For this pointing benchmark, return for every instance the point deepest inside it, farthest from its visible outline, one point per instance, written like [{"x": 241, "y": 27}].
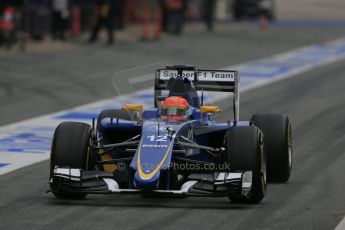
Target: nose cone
[
  {"x": 146, "y": 184},
  {"x": 153, "y": 154}
]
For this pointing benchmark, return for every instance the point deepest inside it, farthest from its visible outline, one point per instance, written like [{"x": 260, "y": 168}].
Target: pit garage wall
[
  {"x": 318, "y": 10},
  {"x": 294, "y": 10}
]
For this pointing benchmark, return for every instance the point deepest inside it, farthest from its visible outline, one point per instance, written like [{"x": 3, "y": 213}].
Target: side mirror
[
  {"x": 210, "y": 109},
  {"x": 134, "y": 107}
]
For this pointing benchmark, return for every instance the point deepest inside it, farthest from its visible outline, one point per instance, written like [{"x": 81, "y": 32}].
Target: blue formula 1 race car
[{"x": 174, "y": 149}]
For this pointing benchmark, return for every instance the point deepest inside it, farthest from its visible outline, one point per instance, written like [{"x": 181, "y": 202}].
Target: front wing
[{"x": 99, "y": 182}]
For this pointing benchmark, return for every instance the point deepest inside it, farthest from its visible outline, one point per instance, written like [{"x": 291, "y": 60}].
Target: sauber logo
[
  {"x": 154, "y": 146},
  {"x": 167, "y": 74}
]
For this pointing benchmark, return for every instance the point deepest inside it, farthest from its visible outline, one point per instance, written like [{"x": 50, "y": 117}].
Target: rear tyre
[
  {"x": 70, "y": 148},
  {"x": 244, "y": 152},
  {"x": 278, "y": 143}
]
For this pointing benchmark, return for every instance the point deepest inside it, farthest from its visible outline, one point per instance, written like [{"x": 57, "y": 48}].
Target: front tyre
[
  {"x": 245, "y": 152},
  {"x": 70, "y": 148},
  {"x": 278, "y": 143}
]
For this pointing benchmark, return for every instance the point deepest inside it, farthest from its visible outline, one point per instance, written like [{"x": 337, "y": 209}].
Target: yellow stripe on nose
[{"x": 148, "y": 176}]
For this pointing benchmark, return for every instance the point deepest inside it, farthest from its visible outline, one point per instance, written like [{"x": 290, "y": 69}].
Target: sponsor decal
[
  {"x": 167, "y": 74},
  {"x": 154, "y": 146},
  {"x": 216, "y": 76}
]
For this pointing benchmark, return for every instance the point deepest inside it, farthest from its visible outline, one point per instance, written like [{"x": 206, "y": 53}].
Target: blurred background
[
  {"x": 57, "y": 54},
  {"x": 24, "y": 21}
]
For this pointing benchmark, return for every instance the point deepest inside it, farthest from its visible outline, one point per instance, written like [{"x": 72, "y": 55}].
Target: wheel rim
[
  {"x": 290, "y": 144},
  {"x": 263, "y": 164}
]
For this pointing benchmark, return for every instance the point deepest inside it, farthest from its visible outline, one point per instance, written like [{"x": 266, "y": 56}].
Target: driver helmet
[{"x": 175, "y": 108}]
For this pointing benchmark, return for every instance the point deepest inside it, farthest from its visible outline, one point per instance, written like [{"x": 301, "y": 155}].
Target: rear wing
[{"x": 202, "y": 80}]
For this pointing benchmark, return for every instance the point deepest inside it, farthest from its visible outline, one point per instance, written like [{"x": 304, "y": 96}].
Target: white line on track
[{"x": 341, "y": 225}]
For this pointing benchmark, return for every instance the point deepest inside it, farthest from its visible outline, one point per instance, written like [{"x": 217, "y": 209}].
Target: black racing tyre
[
  {"x": 245, "y": 152},
  {"x": 278, "y": 143},
  {"x": 70, "y": 148}
]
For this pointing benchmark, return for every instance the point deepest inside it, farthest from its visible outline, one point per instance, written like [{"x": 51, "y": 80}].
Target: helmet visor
[{"x": 174, "y": 111}]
